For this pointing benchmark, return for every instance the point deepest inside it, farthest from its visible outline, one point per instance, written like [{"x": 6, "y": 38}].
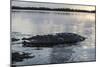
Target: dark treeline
[{"x": 51, "y": 9}]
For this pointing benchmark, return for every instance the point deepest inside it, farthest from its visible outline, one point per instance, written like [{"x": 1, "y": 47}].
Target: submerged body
[{"x": 50, "y": 40}]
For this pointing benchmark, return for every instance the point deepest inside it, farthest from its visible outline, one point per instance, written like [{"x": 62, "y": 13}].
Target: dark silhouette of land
[{"x": 51, "y": 9}]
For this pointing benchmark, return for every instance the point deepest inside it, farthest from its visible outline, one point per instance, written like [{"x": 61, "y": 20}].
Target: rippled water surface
[{"x": 29, "y": 23}]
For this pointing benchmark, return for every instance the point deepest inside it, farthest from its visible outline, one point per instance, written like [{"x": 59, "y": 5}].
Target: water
[{"x": 29, "y": 23}]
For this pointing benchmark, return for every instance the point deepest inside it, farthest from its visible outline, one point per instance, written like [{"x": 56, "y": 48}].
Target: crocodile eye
[{"x": 82, "y": 38}]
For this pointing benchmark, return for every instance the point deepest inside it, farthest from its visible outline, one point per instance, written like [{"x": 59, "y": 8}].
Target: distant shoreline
[{"x": 51, "y": 9}]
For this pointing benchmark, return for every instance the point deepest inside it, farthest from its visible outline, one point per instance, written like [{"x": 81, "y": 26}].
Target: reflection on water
[
  {"x": 61, "y": 55},
  {"x": 28, "y": 23}
]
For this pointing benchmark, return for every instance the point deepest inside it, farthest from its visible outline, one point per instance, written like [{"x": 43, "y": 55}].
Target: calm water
[{"x": 28, "y": 23}]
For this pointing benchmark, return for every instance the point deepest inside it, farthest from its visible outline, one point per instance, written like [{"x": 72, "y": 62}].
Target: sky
[
  {"x": 31, "y": 4},
  {"x": 88, "y": 2}
]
